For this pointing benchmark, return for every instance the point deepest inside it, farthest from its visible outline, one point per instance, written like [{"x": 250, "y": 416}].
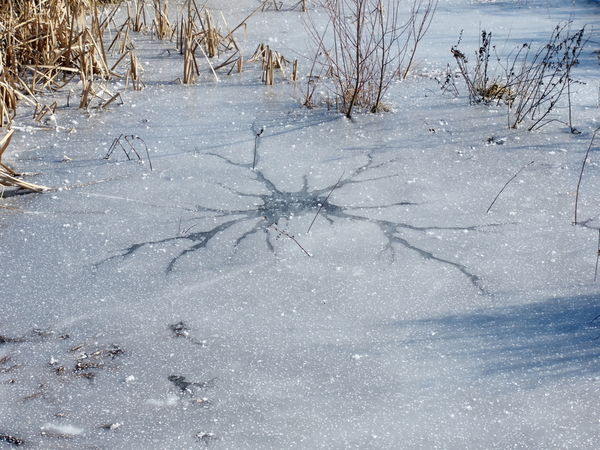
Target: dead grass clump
[
  {"x": 497, "y": 91},
  {"x": 270, "y": 61}
]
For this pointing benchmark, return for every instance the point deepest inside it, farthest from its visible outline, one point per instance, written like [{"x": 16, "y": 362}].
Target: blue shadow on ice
[{"x": 554, "y": 338}]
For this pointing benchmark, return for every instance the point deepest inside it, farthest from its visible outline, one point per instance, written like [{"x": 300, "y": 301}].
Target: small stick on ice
[
  {"x": 323, "y": 203},
  {"x": 256, "y": 140},
  {"x": 289, "y": 236},
  {"x": 507, "y": 183},
  {"x": 597, "y": 257},
  {"x": 581, "y": 173}
]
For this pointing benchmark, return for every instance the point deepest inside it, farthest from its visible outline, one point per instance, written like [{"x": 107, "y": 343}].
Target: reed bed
[
  {"x": 197, "y": 30},
  {"x": 45, "y": 44}
]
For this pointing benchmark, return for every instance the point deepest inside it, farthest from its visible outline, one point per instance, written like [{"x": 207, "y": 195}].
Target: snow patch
[
  {"x": 171, "y": 400},
  {"x": 66, "y": 429}
]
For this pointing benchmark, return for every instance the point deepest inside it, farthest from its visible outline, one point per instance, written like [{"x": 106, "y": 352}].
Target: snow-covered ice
[{"x": 162, "y": 309}]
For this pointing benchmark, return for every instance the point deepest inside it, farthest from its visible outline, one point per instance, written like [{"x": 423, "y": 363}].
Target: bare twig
[
  {"x": 281, "y": 232},
  {"x": 421, "y": 18},
  {"x": 364, "y": 47},
  {"x": 130, "y": 139},
  {"x": 325, "y": 201},
  {"x": 597, "y": 257},
  {"x": 507, "y": 183},
  {"x": 581, "y": 173},
  {"x": 257, "y": 136}
]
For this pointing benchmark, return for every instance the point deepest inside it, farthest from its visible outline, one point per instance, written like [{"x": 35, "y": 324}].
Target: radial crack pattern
[{"x": 274, "y": 205}]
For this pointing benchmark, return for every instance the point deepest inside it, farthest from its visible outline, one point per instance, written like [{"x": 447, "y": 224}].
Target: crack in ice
[{"x": 277, "y": 204}]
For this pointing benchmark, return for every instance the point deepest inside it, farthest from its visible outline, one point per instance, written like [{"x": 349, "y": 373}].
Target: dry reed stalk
[
  {"x": 268, "y": 68},
  {"x": 506, "y": 184},
  {"x": 160, "y": 24},
  {"x": 190, "y": 64},
  {"x": 266, "y": 5},
  {"x": 8, "y": 103},
  {"x": 137, "y": 17},
  {"x": 212, "y": 69},
  {"x": 118, "y": 61},
  {"x": 272, "y": 60},
  {"x": 9, "y": 180},
  {"x": 135, "y": 69},
  {"x": 86, "y": 76},
  {"x": 283, "y": 233},
  {"x": 42, "y": 110},
  {"x": 4, "y": 143},
  {"x": 121, "y": 38},
  {"x": 302, "y": 5},
  {"x": 597, "y": 259},
  {"x": 211, "y": 37},
  {"x": 197, "y": 31},
  {"x": 232, "y": 60},
  {"x": 132, "y": 142},
  {"x": 8, "y": 176}
]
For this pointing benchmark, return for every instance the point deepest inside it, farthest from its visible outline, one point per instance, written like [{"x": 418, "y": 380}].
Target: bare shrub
[
  {"x": 540, "y": 78},
  {"x": 531, "y": 81},
  {"x": 483, "y": 84},
  {"x": 366, "y": 45}
]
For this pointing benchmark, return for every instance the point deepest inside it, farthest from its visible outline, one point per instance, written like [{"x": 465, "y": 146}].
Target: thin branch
[
  {"x": 581, "y": 173},
  {"x": 256, "y": 142},
  {"x": 325, "y": 201},
  {"x": 597, "y": 257},
  {"x": 289, "y": 236},
  {"x": 507, "y": 183}
]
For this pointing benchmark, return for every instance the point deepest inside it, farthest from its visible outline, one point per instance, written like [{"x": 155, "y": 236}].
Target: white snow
[
  {"x": 171, "y": 400},
  {"x": 61, "y": 429}
]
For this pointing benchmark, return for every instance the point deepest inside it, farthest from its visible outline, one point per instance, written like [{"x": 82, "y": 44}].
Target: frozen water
[{"x": 179, "y": 307}]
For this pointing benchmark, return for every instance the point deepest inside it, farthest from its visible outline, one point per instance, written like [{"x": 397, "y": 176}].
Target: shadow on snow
[{"x": 555, "y": 338}]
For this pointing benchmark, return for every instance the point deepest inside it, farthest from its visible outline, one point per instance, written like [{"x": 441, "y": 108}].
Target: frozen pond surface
[{"x": 189, "y": 306}]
